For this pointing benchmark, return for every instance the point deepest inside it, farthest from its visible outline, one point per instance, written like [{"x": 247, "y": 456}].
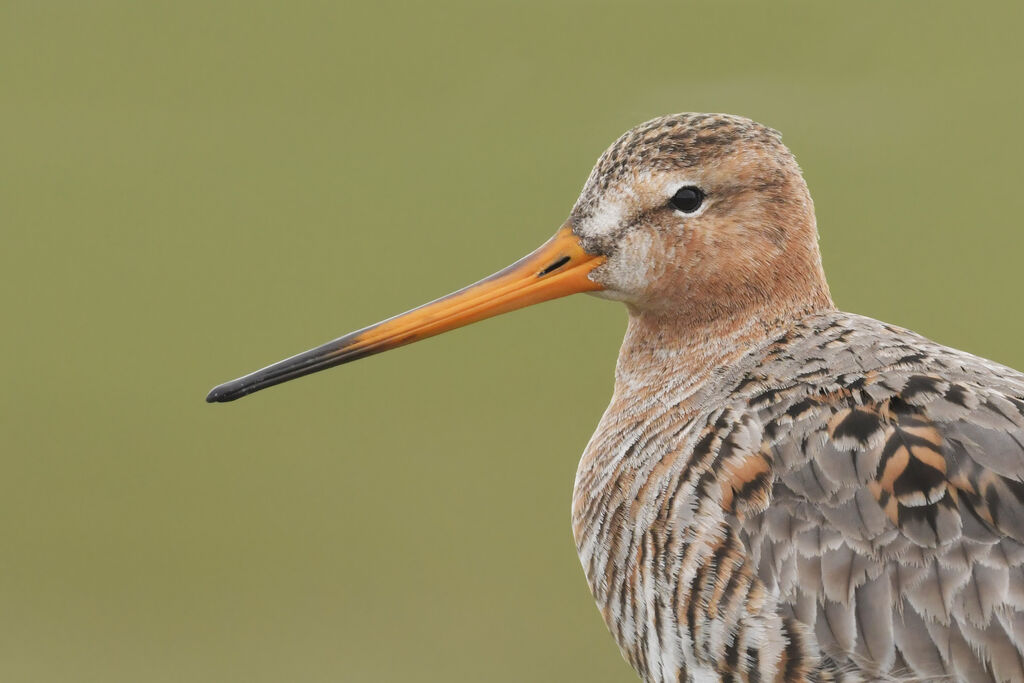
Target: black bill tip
[
  {"x": 322, "y": 357},
  {"x": 224, "y": 393}
]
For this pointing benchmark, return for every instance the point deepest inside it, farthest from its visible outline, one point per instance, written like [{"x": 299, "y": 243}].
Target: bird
[{"x": 778, "y": 490}]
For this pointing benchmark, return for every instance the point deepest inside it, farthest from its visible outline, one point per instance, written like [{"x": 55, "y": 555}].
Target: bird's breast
[
  {"x": 653, "y": 509},
  {"x": 638, "y": 487}
]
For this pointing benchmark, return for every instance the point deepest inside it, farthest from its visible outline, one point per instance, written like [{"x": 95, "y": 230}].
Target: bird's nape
[{"x": 559, "y": 267}]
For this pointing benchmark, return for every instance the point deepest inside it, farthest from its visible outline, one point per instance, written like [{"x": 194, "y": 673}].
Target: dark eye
[{"x": 687, "y": 199}]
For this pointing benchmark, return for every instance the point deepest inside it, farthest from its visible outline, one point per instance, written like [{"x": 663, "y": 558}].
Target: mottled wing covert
[{"x": 893, "y": 467}]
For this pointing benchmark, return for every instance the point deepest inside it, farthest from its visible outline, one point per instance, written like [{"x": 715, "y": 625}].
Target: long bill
[{"x": 558, "y": 268}]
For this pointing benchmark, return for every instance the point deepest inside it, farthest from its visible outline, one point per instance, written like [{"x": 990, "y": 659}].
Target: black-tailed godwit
[{"x": 779, "y": 491}]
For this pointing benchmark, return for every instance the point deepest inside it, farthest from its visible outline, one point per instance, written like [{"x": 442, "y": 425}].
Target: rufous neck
[{"x": 664, "y": 343}]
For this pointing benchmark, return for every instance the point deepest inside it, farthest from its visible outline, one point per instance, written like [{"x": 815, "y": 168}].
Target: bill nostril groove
[{"x": 554, "y": 266}]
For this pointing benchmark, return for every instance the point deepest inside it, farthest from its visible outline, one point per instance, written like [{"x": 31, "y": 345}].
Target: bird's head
[
  {"x": 702, "y": 216},
  {"x": 696, "y": 216}
]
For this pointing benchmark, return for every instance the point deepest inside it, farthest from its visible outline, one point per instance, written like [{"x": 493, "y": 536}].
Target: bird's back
[{"x": 842, "y": 501}]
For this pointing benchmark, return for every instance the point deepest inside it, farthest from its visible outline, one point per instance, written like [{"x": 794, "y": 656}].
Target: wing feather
[{"x": 895, "y": 525}]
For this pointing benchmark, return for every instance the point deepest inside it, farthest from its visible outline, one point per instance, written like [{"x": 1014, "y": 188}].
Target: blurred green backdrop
[{"x": 190, "y": 190}]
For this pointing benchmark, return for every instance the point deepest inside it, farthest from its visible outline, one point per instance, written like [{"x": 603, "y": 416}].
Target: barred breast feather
[{"x": 843, "y": 502}]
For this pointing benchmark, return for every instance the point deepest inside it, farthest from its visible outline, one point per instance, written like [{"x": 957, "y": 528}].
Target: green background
[{"x": 190, "y": 190}]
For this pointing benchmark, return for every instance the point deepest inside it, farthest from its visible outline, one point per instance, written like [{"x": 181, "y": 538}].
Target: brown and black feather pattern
[{"x": 851, "y": 508}]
